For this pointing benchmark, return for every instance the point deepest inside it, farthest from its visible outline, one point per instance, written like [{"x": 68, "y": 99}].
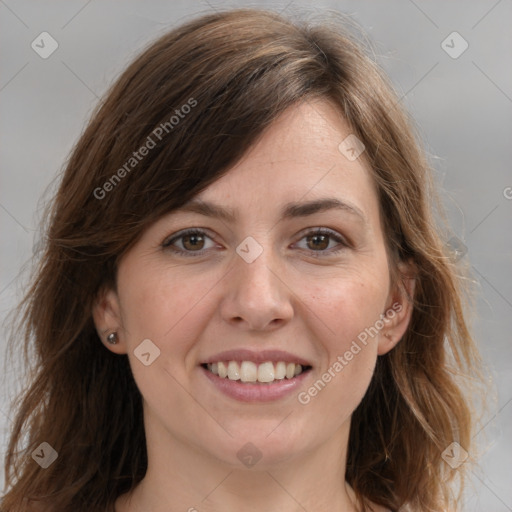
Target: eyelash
[{"x": 167, "y": 244}]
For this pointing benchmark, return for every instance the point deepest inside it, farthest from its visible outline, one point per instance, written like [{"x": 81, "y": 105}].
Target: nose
[{"x": 257, "y": 297}]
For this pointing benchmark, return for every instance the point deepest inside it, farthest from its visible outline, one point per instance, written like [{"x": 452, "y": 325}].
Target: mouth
[
  {"x": 256, "y": 376},
  {"x": 250, "y": 372}
]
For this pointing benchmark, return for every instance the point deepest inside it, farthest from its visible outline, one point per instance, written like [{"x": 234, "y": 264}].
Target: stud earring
[{"x": 112, "y": 338}]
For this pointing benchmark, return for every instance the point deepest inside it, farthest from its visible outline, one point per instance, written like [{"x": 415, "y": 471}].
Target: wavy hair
[{"x": 237, "y": 71}]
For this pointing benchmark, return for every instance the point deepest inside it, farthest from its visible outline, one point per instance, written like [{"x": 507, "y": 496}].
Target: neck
[{"x": 181, "y": 477}]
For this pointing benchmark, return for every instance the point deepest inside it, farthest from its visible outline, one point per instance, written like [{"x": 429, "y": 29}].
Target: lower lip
[{"x": 257, "y": 392}]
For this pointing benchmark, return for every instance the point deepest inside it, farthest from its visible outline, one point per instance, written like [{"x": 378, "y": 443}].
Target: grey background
[{"x": 462, "y": 106}]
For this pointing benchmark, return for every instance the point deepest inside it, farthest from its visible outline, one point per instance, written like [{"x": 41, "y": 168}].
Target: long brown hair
[{"x": 236, "y": 72}]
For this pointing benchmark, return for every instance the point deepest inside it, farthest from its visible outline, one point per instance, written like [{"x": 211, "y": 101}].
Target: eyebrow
[{"x": 289, "y": 211}]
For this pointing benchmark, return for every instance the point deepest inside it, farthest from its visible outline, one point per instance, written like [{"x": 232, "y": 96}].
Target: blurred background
[{"x": 450, "y": 63}]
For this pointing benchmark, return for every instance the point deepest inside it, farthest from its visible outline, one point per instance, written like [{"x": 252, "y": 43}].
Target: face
[{"x": 285, "y": 264}]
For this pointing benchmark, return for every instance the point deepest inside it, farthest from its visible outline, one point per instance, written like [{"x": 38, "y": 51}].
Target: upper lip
[{"x": 259, "y": 356}]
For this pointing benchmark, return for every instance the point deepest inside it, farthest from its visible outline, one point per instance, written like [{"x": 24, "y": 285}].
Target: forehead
[{"x": 298, "y": 158}]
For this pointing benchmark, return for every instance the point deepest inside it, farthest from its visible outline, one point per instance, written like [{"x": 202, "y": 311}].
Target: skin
[{"x": 194, "y": 307}]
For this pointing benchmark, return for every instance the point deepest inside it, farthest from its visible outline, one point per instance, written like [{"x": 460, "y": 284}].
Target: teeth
[
  {"x": 233, "y": 371},
  {"x": 280, "y": 370},
  {"x": 248, "y": 371},
  {"x": 266, "y": 372},
  {"x": 222, "y": 369}
]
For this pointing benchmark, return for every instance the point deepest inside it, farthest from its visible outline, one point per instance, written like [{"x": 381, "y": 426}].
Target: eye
[
  {"x": 321, "y": 240},
  {"x": 189, "y": 241},
  {"x": 194, "y": 242}
]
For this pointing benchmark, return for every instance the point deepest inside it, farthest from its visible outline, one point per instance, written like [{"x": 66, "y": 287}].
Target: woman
[{"x": 243, "y": 302}]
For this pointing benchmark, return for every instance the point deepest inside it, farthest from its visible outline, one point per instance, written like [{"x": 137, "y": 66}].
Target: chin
[{"x": 260, "y": 448}]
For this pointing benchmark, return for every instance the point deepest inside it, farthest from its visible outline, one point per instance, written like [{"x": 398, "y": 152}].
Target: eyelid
[{"x": 183, "y": 232}]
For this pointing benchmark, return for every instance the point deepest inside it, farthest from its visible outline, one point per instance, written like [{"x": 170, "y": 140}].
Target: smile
[{"x": 248, "y": 371}]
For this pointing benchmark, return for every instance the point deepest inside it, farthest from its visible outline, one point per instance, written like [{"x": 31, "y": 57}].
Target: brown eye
[
  {"x": 322, "y": 242},
  {"x": 318, "y": 242},
  {"x": 193, "y": 242}
]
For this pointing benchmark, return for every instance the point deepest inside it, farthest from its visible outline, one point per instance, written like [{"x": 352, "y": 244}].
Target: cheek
[
  {"x": 347, "y": 303},
  {"x": 170, "y": 308},
  {"x": 164, "y": 305},
  {"x": 348, "y": 310}
]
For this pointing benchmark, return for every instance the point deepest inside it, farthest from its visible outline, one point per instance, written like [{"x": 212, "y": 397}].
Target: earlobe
[
  {"x": 387, "y": 342},
  {"x": 107, "y": 319}
]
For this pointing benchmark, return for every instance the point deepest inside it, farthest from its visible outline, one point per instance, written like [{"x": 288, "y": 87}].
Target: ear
[
  {"x": 106, "y": 314},
  {"x": 399, "y": 309}
]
